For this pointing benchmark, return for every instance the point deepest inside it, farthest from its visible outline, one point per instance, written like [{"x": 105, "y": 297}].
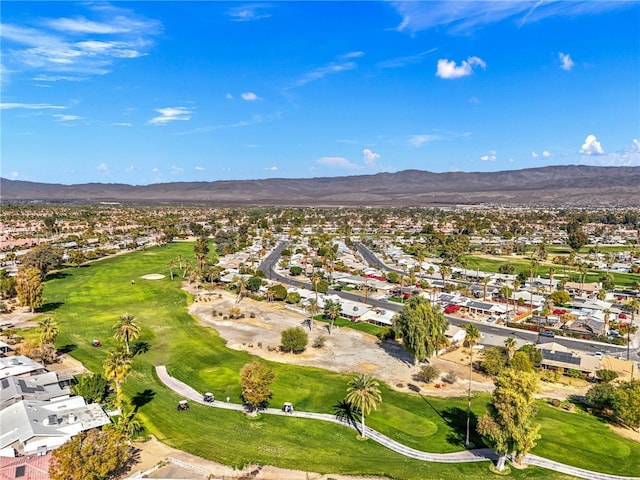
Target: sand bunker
[{"x": 153, "y": 276}]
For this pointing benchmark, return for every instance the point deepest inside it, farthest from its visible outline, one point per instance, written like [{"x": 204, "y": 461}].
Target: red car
[{"x": 451, "y": 308}]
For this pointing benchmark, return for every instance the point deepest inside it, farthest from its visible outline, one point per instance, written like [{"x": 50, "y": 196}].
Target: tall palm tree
[
  {"x": 332, "y": 310},
  {"x": 445, "y": 270},
  {"x": 471, "y": 337},
  {"x": 506, "y": 292},
  {"x": 510, "y": 344},
  {"x": 607, "y": 317},
  {"x": 126, "y": 329},
  {"x": 632, "y": 305},
  {"x": 116, "y": 368},
  {"x": 48, "y": 331},
  {"x": 316, "y": 278},
  {"x": 241, "y": 282},
  {"x": 313, "y": 309},
  {"x": 364, "y": 394}
]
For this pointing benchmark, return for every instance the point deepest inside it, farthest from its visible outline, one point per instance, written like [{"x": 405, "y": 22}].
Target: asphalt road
[{"x": 492, "y": 334}]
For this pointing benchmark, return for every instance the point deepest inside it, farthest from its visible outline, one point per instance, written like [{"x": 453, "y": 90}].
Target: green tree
[
  {"x": 201, "y": 250},
  {"x": 256, "y": 379},
  {"x": 295, "y": 270},
  {"x": 508, "y": 426},
  {"x": 626, "y": 403},
  {"x": 472, "y": 336},
  {"x": 48, "y": 328},
  {"x": 494, "y": 360},
  {"x": 332, "y": 310},
  {"x": 44, "y": 258},
  {"x": 428, "y": 373},
  {"x": 7, "y": 284},
  {"x": 510, "y": 344},
  {"x": 292, "y": 298},
  {"x": 606, "y": 376},
  {"x": 254, "y": 284},
  {"x": 94, "y": 388},
  {"x": 576, "y": 237},
  {"x": 29, "y": 287},
  {"x": 116, "y": 367},
  {"x": 521, "y": 362},
  {"x": 601, "y": 395},
  {"x": 560, "y": 297},
  {"x": 294, "y": 340},
  {"x": 126, "y": 329},
  {"x": 278, "y": 292},
  {"x": 91, "y": 455},
  {"x": 364, "y": 394},
  {"x": 421, "y": 326}
]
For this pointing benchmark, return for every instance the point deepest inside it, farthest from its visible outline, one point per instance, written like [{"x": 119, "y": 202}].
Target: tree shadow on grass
[
  {"x": 49, "y": 307},
  {"x": 68, "y": 348},
  {"x": 456, "y": 419},
  {"x": 140, "y": 399},
  {"x": 59, "y": 275},
  {"x": 140, "y": 347}
]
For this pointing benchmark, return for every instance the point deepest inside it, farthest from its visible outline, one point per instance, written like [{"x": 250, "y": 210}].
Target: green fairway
[{"x": 87, "y": 301}]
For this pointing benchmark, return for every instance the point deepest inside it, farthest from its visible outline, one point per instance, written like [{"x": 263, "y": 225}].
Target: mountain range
[{"x": 570, "y": 185}]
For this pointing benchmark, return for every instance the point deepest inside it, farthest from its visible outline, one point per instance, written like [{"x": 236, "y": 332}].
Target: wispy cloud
[
  {"x": 408, "y": 60},
  {"x": 65, "y": 118},
  {"x": 628, "y": 157},
  {"x": 370, "y": 157},
  {"x": 337, "y": 162},
  {"x": 255, "y": 119},
  {"x": 591, "y": 146},
  {"x": 71, "y": 49},
  {"x": 31, "y": 106},
  {"x": 249, "y": 13},
  {"x": 171, "y": 114},
  {"x": 489, "y": 157},
  {"x": 199, "y": 168},
  {"x": 448, "y": 69},
  {"x": 103, "y": 167},
  {"x": 419, "y": 140},
  {"x": 271, "y": 169},
  {"x": 565, "y": 61},
  {"x": 463, "y": 17},
  {"x": 344, "y": 63}
]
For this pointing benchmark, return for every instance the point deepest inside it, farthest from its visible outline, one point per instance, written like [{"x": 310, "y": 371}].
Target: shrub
[
  {"x": 319, "y": 341},
  {"x": 428, "y": 373},
  {"x": 294, "y": 340},
  {"x": 386, "y": 333},
  {"x": 450, "y": 377},
  {"x": 606, "y": 376},
  {"x": 292, "y": 298}
]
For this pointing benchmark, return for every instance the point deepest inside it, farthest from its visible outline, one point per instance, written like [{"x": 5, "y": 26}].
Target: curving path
[{"x": 477, "y": 455}]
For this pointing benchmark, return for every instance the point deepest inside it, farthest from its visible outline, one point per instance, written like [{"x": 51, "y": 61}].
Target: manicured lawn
[
  {"x": 87, "y": 301},
  {"x": 343, "y": 322}
]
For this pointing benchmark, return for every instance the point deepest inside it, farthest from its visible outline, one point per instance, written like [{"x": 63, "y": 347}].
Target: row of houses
[{"x": 38, "y": 413}]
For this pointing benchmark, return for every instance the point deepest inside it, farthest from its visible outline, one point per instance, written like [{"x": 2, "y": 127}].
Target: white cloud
[
  {"x": 490, "y": 157},
  {"x": 31, "y": 106},
  {"x": 171, "y": 114},
  {"x": 339, "y": 162},
  {"x": 14, "y": 175},
  {"x": 248, "y": 13},
  {"x": 566, "y": 62},
  {"x": 546, "y": 154},
  {"x": 249, "y": 97},
  {"x": 535, "y": 154},
  {"x": 272, "y": 169},
  {"x": 448, "y": 69},
  {"x": 629, "y": 157},
  {"x": 176, "y": 170},
  {"x": 591, "y": 146},
  {"x": 370, "y": 157},
  {"x": 155, "y": 170},
  {"x": 121, "y": 124},
  {"x": 228, "y": 96},
  {"x": 345, "y": 64},
  {"x": 199, "y": 168},
  {"x": 130, "y": 169},
  {"x": 103, "y": 167},
  {"x": 65, "y": 118},
  {"x": 419, "y": 140}
]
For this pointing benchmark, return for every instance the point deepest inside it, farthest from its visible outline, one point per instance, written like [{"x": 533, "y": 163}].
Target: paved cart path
[{"x": 477, "y": 455}]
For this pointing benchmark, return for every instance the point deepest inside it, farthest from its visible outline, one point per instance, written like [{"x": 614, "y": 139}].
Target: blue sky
[{"x": 149, "y": 92}]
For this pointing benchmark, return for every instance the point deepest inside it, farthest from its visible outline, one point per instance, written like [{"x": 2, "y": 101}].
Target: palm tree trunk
[
  {"x": 364, "y": 435},
  {"x": 501, "y": 462},
  {"x": 469, "y": 395}
]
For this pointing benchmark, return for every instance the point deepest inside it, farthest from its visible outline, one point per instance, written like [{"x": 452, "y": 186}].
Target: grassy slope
[{"x": 87, "y": 301}]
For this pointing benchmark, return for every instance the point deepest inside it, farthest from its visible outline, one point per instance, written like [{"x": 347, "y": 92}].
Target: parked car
[{"x": 547, "y": 333}]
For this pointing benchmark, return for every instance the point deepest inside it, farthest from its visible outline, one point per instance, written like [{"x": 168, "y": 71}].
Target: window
[{"x": 20, "y": 471}]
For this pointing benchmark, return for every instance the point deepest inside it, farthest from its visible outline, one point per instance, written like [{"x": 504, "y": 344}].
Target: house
[
  {"x": 455, "y": 335},
  {"x": 29, "y": 467},
  {"x": 19, "y": 366},
  {"x": 589, "y": 289},
  {"x": 378, "y": 316},
  {"x": 560, "y": 358},
  {"x": 45, "y": 386},
  {"x": 33, "y": 426}
]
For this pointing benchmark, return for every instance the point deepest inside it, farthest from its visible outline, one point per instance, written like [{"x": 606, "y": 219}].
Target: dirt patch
[{"x": 345, "y": 350}]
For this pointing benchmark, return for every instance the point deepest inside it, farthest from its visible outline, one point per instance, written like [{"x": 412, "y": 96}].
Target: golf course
[{"x": 87, "y": 301}]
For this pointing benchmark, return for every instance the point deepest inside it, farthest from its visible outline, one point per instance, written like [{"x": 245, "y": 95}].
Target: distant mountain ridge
[{"x": 570, "y": 185}]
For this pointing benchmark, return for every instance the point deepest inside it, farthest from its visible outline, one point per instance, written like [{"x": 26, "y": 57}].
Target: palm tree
[
  {"x": 241, "y": 283},
  {"x": 632, "y": 305},
  {"x": 171, "y": 264},
  {"x": 313, "y": 309},
  {"x": 485, "y": 282},
  {"x": 510, "y": 344},
  {"x": 316, "y": 278},
  {"x": 116, "y": 368},
  {"x": 551, "y": 272},
  {"x": 332, "y": 310},
  {"x": 471, "y": 337},
  {"x": 364, "y": 394},
  {"x": 48, "y": 331},
  {"x": 506, "y": 292},
  {"x": 444, "y": 271},
  {"x": 607, "y": 316},
  {"x": 126, "y": 329}
]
